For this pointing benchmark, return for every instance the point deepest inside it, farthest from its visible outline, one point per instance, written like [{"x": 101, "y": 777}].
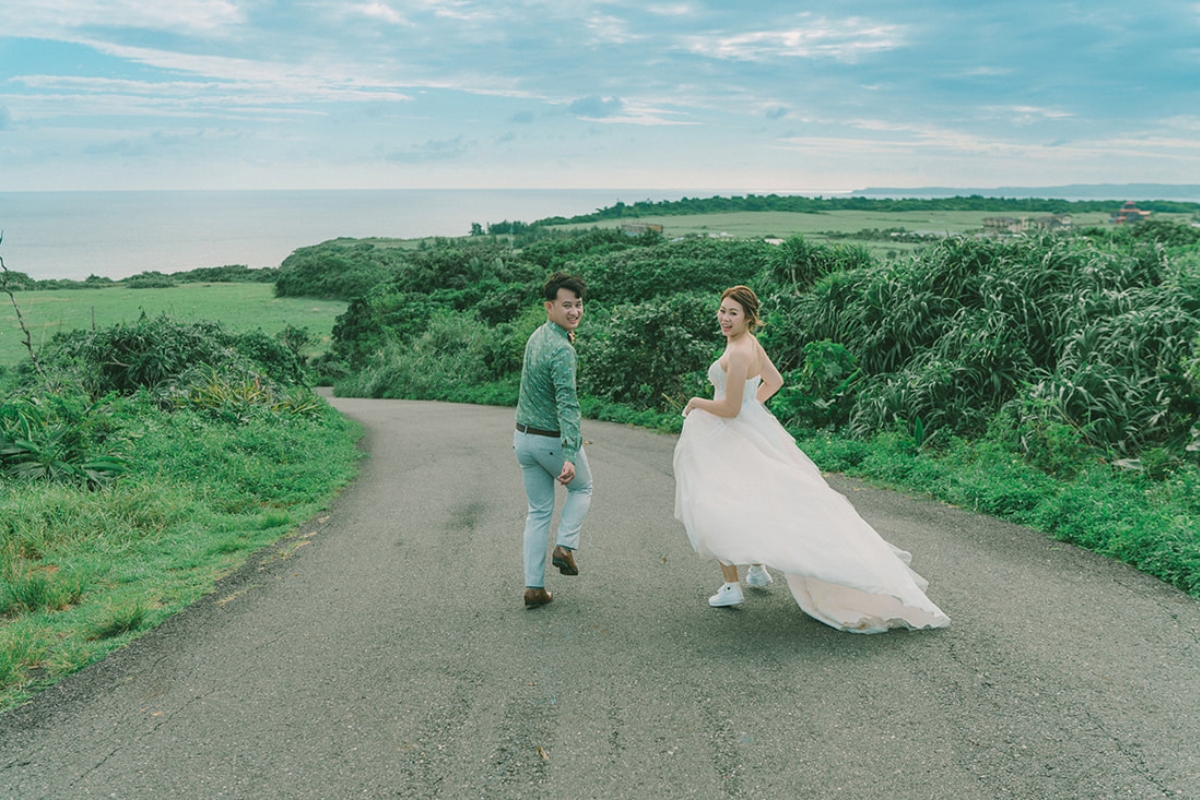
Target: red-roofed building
[{"x": 1128, "y": 214}]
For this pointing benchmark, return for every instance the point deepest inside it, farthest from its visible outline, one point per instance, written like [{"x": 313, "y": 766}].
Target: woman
[{"x": 746, "y": 494}]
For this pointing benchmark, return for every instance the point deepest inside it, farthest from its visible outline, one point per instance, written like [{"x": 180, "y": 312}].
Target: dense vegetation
[
  {"x": 138, "y": 463},
  {"x": 1061, "y": 366},
  {"x": 151, "y": 279},
  {"x": 817, "y": 205}
]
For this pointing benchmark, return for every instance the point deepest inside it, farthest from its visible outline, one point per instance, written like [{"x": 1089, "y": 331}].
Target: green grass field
[
  {"x": 782, "y": 224},
  {"x": 239, "y": 306}
]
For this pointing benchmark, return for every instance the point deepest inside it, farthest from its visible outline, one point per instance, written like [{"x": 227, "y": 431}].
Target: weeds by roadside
[{"x": 166, "y": 455}]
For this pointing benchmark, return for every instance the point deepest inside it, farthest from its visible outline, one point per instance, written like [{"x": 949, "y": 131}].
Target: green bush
[
  {"x": 150, "y": 280},
  {"x": 950, "y": 337},
  {"x": 707, "y": 266},
  {"x": 153, "y": 352},
  {"x": 822, "y": 392},
  {"x": 452, "y": 352},
  {"x": 61, "y": 437},
  {"x": 342, "y": 269},
  {"x": 645, "y": 354},
  {"x": 125, "y": 358},
  {"x": 797, "y": 264}
]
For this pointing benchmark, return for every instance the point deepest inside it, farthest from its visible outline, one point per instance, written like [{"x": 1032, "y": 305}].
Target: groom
[{"x": 547, "y": 441}]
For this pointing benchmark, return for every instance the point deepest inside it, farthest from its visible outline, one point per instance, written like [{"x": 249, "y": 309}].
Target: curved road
[{"x": 383, "y": 651}]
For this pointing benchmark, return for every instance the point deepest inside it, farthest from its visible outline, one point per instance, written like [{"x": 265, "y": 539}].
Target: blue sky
[{"x": 752, "y": 95}]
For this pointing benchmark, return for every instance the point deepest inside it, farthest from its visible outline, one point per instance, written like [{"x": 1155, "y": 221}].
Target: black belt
[{"x": 538, "y": 432}]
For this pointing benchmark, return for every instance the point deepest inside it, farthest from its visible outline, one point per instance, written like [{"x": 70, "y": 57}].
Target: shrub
[
  {"x": 948, "y": 338},
  {"x": 821, "y": 393},
  {"x": 342, "y": 269},
  {"x": 707, "y": 266},
  {"x": 61, "y": 437},
  {"x": 153, "y": 352},
  {"x": 796, "y": 265},
  {"x": 645, "y": 354},
  {"x": 452, "y": 352},
  {"x": 124, "y": 358},
  {"x": 150, "y": 280}
]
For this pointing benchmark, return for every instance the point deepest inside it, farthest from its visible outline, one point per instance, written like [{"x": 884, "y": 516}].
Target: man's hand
[{"x": 568, "y": 473}]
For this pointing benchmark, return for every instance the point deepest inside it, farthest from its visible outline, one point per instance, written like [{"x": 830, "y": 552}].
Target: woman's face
[{"x": 732, "y": 317}]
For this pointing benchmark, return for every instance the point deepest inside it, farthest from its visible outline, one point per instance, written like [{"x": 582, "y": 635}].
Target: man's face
[{"x": 566, "y": 310}]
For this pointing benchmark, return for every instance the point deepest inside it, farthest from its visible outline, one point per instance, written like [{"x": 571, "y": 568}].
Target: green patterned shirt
[{"x": 548, "y": 399}]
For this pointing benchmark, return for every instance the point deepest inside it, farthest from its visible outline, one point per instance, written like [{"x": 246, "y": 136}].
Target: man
[{"x": 547, "y": 441}]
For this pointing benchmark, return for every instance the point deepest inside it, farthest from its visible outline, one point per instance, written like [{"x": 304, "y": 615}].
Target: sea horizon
[{"x": 72, "y": 234}]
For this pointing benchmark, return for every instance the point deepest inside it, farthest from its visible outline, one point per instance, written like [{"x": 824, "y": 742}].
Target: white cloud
[
  {"x": 842, "y": 40},
  {"x": 381, "y": 11},
  {"x": 1026, "y": 115},
  {"x": 611, "y": 29},
  {"x": 678, "y": 82},
  {"x": 987, "y": 72},
  {"x": 51, "y": 18},
  {"x": 285, "y": 82}
]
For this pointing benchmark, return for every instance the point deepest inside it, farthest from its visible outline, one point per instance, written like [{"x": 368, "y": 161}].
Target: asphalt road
[{"x": 384, "y": 651}]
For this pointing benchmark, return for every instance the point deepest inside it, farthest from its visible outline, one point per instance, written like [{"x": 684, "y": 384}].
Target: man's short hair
[{"x": 561, "y": 280}]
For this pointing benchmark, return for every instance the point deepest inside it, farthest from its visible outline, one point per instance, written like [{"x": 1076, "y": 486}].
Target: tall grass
[
  {"x": 1042, "y": 332},
  {"x": 81, "y": 572},
  {"x": 220, "y": 451}
]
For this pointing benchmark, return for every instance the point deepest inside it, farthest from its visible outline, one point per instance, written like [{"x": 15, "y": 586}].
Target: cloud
[
  {"x": 1026, "y": 115},
  {"x": 381, "y": 11},
  {"x": 987, "y": 72},
  {"x": 842, "y": 40},
  {"x": 54, "y": 18},
  {"x": 444, "y": 150},
  {"x": 5, "y": 118},
  {"x": 235, "y": 79},
  {"x": 776, "y": 113},
  {"x": 597, "y": 107}
]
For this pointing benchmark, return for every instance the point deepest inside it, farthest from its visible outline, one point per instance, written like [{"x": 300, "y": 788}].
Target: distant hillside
[
  {"x": 1074, "y": 191},
  {"x": 903, "y": 200}
]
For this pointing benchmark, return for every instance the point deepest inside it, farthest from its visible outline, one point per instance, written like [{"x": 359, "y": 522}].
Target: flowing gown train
[{"x": 746, "y": 494}]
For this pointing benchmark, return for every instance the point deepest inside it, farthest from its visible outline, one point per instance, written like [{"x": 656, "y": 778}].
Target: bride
[{"x": 746, "y": 494}]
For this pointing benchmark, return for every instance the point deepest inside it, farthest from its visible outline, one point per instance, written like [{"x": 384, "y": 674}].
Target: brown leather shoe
[
  {"x": 537, "y": 597},
  {"x": 564, "y": 559}
]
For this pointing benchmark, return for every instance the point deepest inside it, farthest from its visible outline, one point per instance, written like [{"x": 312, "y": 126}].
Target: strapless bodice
[{"x": 716, "y": 376}]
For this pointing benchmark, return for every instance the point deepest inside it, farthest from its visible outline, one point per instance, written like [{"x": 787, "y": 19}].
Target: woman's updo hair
[{"x": 748, "y": 300}]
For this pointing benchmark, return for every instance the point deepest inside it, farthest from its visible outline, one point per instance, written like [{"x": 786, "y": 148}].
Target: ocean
[{"x": 71, "y": 235}]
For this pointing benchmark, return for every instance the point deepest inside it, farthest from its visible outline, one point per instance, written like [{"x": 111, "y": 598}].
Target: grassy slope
[
  {"x": 781, "y": 224},
  {"x": 239, "y": 306}
]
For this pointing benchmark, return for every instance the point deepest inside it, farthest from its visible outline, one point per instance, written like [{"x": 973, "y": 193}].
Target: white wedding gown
[{"x": 746, "y": 494}]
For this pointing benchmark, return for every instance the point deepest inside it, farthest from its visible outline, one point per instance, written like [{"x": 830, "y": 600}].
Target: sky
[{"x": 739, "y": 95}]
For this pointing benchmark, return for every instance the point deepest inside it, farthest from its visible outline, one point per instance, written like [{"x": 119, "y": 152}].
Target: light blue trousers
[{"x": 541, "y": 460}]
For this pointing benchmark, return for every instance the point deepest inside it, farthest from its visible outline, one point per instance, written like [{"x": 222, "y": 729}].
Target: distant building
[
  {"x": 998, "y": 225},
  {"x": 1128, "y": 214},
  {"x": 1053, "y": 222},
  {"x": 640, "y": 228}
]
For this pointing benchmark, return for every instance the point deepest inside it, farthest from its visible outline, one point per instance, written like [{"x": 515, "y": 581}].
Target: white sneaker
[
  {"x": 758, "y": 576},
  {"x": 730, "y": 594}
]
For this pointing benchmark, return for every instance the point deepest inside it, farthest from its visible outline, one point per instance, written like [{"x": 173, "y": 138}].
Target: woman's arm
[
  {"x": 736, "y": 376},
  {"x": 772, "y": 381}
]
